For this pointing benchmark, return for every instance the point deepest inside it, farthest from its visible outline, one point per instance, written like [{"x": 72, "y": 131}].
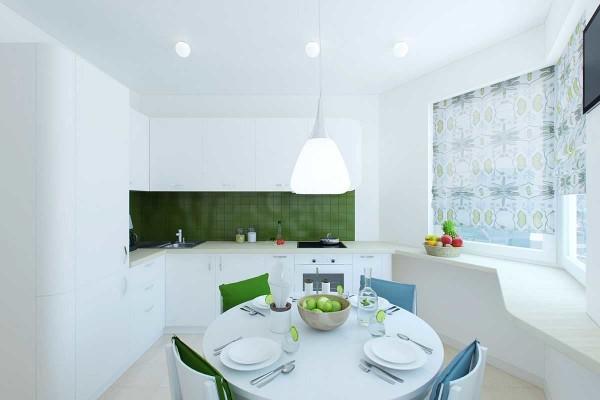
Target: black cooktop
[{"x": 319, "y": 245}]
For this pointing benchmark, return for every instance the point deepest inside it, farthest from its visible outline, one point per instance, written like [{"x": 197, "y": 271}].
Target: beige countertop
[{"x": 140, "y": 256}]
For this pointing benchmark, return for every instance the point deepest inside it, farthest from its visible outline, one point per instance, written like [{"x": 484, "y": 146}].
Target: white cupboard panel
[
  {"x": 176, "y": 154},
  {"x": 102, "y": 198},
  {"x": 228, "y": 154},
  {"x": 234, "y": 268},
  {"x": 55, "y": 153},
  {"x": 102, "y": 341},
  {"x": 190, "y": 290},
  {"x": 56, "y": 347},
  {"x": 278, "y": 144},
  {"x": 139, "y": 151},
  {"x": 347, "y": 134}
]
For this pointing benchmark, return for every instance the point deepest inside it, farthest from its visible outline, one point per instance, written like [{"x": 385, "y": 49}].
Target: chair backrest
[
  {"x": 185, "y": 383},
  {"x": 401, "y": 294},
  {"x": 469, "y": 386}
]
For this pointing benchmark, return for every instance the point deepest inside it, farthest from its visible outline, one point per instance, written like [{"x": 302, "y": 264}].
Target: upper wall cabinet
[
  {"x": 139, "y": 151},
  {"x": 278, "y": 144},
  {"x": 239, "y": 154},
  {"x": 228, "y": 154},
  {"x": 176, "y": 154}
]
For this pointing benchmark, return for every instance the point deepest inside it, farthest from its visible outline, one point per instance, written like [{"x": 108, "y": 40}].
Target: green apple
[
  {"x": 336, "y": 306},
  {"x": 311, "y": 303},
  {"x": 327, "y": 307},
  {"x": 316, "y": 310}
]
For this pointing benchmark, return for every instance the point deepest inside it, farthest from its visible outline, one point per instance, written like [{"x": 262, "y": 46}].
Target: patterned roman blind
[
  {"x": 570, "y": 122},
  {"x": 493, "y": 155}
]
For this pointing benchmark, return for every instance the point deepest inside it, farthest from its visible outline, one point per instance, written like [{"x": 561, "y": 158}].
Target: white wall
[
  {"x": 16, "y": 29},
  {"x": 404, "y": 140},
  {"x": 362, "y": 108},
  {"x": 462, "y": 305}
]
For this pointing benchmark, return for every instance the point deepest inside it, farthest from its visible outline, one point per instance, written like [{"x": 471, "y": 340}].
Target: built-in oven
[{"x": 316, "y": 269}]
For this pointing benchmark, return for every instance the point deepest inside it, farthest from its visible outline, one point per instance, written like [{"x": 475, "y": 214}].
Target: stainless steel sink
[{"x": 176, "y": 245}]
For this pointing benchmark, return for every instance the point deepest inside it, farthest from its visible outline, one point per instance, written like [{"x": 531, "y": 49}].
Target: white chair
[
  {"x": 185, "y": 383},
  {"x": 469, "y": 386}
]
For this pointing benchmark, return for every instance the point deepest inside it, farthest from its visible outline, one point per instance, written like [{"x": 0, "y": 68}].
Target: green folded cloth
[
  {"x": 242, "y": 291},
  {"x": 193, "y": 360}
]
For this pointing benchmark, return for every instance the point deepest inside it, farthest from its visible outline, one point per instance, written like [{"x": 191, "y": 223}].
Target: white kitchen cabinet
[
  {"x": 176, "y": 154},
  {"x": 347, "y": 134},
  {"x": 55, "y": 347},
  {"x": 139, "y": 151},
  {"x": 146, "y": 304},
  {"x": 237, "y": 267},
  {"x": 190, "y": 290},
  {"x": 380, "y": 264},
  {"x": 239, "y": 154},
  {"x": 102, "y": 134},
  {"x": 278, "y": 144},
  {"x": 102, "y": 340},
  {"x": 228, "y": 158}
]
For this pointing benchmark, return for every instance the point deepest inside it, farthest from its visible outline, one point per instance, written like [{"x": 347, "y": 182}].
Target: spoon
[
  {"x": 426, "y": 349},
  {"x": 285, "y": 370}
]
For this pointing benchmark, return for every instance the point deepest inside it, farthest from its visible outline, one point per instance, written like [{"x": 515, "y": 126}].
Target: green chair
[
  {"x": 191, "y": 376},
  {"x": 233, "y": 294}
]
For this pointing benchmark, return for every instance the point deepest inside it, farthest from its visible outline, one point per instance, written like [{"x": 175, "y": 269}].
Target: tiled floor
[{"x": 147, "y": 379}]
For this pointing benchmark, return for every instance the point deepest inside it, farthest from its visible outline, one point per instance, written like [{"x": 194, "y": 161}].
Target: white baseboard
[{"x": 500, "y": 364}]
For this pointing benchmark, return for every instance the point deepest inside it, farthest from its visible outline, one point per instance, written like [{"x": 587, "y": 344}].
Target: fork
[
  {"x": 251, "y": 311},
  {"x": 218, "y": 350},
  {"x": 376, "y": 372}
]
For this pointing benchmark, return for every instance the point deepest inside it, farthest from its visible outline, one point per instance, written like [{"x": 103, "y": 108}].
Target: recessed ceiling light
[
  {"x": 312, "y": 49},
  {"x": 183, "y": 49},
  {"x": 400, "y": 49}
]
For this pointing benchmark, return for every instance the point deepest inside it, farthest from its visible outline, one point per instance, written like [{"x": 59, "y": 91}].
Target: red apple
[
  {"x": 457, "y": 242},
  {"x": 446, "y": 240}
]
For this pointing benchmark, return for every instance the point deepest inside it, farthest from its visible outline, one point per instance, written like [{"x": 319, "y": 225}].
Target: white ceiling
[{"x": 257, "y": 46}]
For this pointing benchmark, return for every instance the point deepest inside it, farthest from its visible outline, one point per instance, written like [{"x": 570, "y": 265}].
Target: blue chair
[
  {"x": 401, "y": 294},
  {"x": 463, "y": 377}
]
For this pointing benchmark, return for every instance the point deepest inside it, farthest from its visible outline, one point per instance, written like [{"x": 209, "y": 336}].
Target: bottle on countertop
[
  {"x": 239, "y": 236},
  {"x": 279, "y": 240},
  {"x": 251, "y": 234}
]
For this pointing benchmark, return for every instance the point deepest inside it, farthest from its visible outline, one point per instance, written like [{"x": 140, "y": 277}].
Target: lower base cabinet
[
  {"x": 146, "y": 305},
  {"x": 190, "y": 290},
  {"x": 102, "y": 343}
]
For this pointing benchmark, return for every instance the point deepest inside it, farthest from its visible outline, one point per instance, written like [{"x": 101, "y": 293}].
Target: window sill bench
[{"x": 545, "y": 301}]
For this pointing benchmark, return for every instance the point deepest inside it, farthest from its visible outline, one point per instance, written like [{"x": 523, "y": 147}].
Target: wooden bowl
[
  {"x": 325, "y": 321},
  {"x": 446, "y": 251}
]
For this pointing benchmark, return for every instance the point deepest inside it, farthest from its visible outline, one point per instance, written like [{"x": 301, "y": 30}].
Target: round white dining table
[{"x": 326, "y": 362}]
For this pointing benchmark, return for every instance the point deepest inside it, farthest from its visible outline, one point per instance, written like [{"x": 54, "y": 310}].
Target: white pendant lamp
[{"x": 320, "y": 168}]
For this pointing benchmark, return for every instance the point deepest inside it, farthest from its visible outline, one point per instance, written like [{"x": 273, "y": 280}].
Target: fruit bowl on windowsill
[{"x": 442, "y": 251}]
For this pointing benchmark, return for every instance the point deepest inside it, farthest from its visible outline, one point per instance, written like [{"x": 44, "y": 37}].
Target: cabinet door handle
[
  {"x": 367, "y": 256},
  {"x": 149, "y": 287},
  {"x": 220, "y": 267},
  {"x": 125, "y": 249},
  {"x": 209, "y": 267},
  {"x": 279, "y": 256},
  {"x": 149, "y": 308}
]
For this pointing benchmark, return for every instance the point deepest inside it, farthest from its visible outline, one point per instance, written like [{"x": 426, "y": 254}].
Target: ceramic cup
[{"x": 280, "y": 319}]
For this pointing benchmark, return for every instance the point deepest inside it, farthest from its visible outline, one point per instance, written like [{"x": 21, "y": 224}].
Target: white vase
[{"x": 280, "y": 320}]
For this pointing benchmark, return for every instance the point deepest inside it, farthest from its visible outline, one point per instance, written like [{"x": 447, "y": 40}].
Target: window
[
  {"x": 574, "y": 239},
  {"x": 493, "y": 166}
]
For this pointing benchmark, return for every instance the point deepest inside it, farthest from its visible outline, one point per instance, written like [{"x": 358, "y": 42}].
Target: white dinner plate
[
  {"x": 229, "y": 363},
  {"x": 392, "y": 350},
  {"x": 252, "y": 350},
  {"x": 382, "y": 303},
  {"x": 259, "y": 302},
  {"x": 418, "y": 363}
]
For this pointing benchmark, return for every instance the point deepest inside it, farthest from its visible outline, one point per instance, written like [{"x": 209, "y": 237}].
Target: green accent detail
[
  {"x": 242, "y": 291},
  {"x": 216, "y": 215},
  {"x": 193, "y": 360},
  {"x": 294, "y": 333}
]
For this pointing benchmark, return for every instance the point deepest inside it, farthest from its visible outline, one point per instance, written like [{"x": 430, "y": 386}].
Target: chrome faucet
[{"x": 179, "y": 235}]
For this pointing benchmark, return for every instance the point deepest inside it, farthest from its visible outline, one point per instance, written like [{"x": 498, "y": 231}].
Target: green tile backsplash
[{"x": 216, "y": 215}]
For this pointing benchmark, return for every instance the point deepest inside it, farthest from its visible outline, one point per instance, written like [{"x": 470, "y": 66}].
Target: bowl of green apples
[{"x": 324, "y": 312}]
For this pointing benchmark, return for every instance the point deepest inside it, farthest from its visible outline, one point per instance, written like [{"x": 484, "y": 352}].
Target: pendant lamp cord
[{"x": 320, "y": 49}]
